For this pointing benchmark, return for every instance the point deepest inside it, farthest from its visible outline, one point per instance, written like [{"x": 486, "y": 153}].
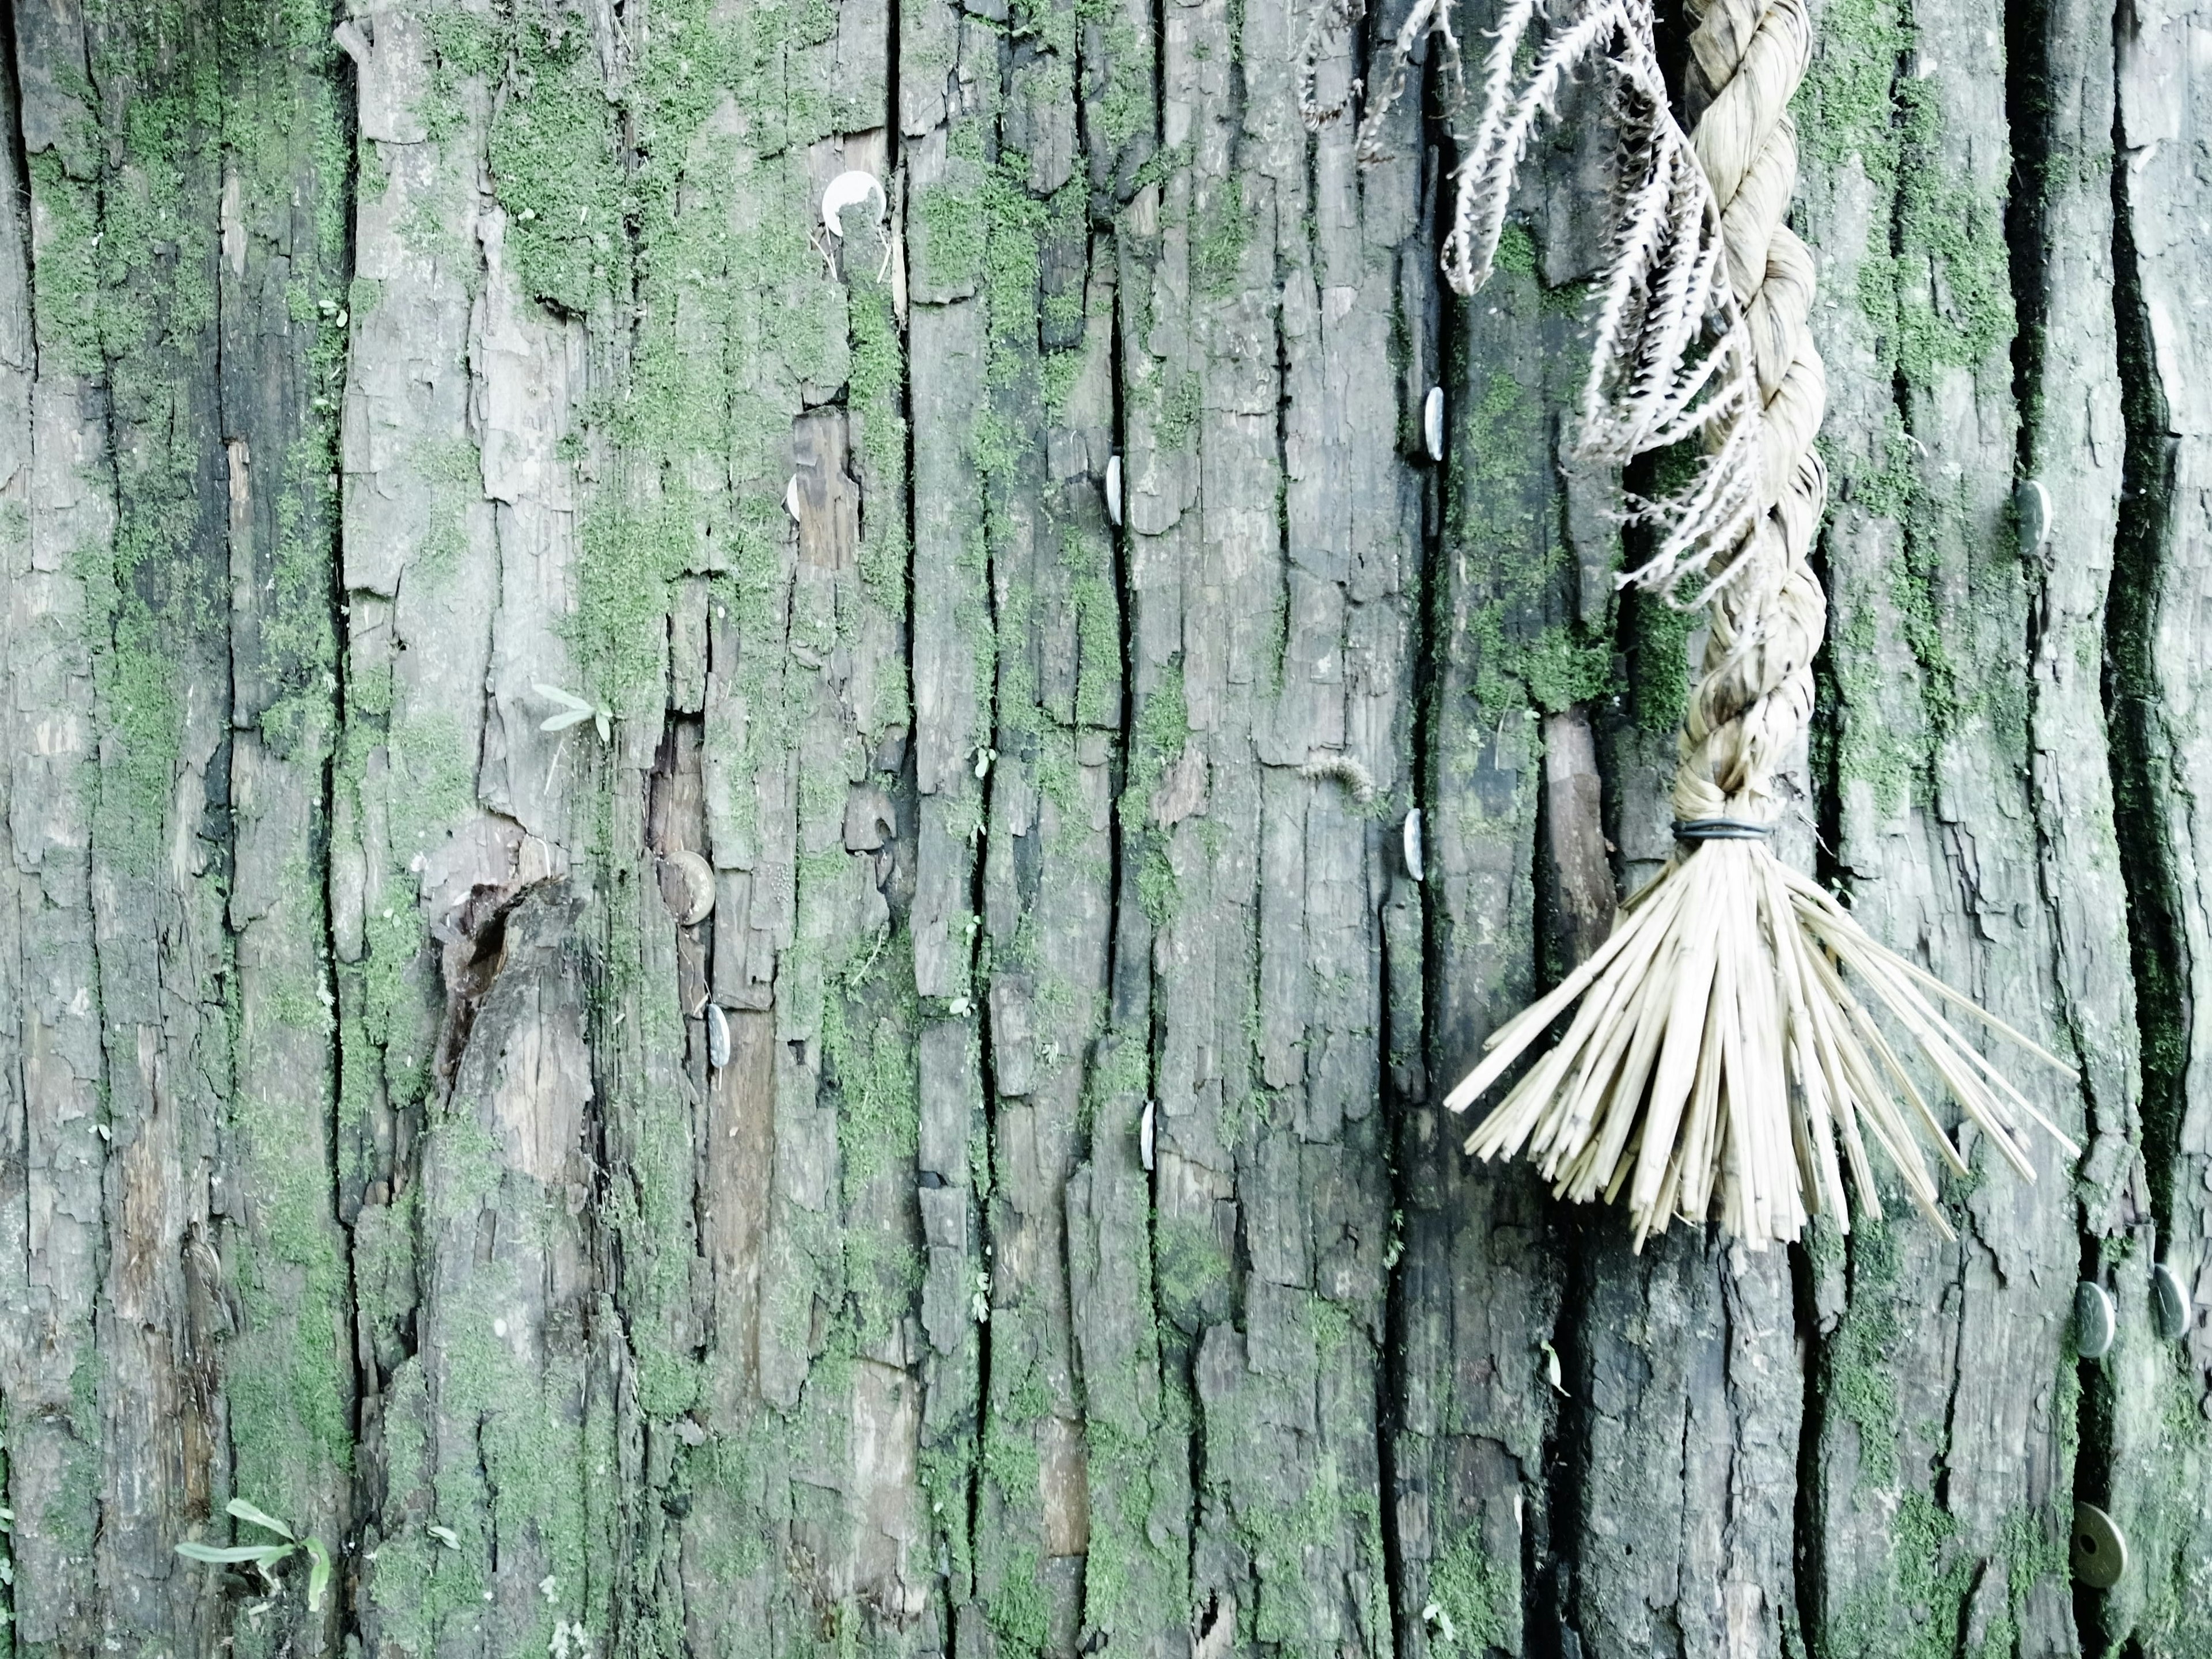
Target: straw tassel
[{"x": 1715, "y": 1051}]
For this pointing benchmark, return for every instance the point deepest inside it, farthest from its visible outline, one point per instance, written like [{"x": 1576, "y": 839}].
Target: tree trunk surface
[{"x": 908, "y": 1124}]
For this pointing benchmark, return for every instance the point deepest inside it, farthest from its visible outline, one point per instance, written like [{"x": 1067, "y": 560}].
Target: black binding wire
[{"x": 1696, "y": 829}]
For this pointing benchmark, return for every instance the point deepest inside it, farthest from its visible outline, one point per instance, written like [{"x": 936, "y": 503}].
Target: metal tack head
[
  {"x": 2171, "y": 1297},
  {"x": 693, "y": 899},
  {"x": 2030, "y": 505},
  {"x": 2099, "y": 1547},
  {"x": 2096, "y": 1320}
]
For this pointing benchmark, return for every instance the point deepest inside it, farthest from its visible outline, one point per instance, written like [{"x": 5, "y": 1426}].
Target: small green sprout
[
  {"x": 1435, "y": 1615},
  {"x": 264, "y": 1558},
  {"x": 575, "y": 711}
]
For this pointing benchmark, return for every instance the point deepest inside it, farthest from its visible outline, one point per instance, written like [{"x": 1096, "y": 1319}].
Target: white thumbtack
[{"x": 850, "y": 190}]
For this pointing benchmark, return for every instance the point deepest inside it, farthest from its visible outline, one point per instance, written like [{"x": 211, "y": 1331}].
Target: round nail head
[
  {"x": 851, "y": 189},
  {"x": 718, "y": 1036},
  {"x": 2032, "y": 505},
  {"x": 692, "y": 897},
  {"x": 2100, "y": 1549},
  {"x": 2171, "y": 1296},
  {"x": 2095, "y": 1323}
]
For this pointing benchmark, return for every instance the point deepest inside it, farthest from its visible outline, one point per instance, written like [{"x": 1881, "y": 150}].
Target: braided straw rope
[
  {"x": 1715, "y": 1057},
  {"x": 1755, "y": 698}
]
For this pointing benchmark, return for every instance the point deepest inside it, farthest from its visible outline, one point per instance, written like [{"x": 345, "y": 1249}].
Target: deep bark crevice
[
  {"x": 2132, "y": 715},
  {"x": 1423, "y": 337},
  {"x": 1824, "y": 782},
  {"x": 11, "y": 89},
  {"x": 2137, "y": 747},
  {"x": 2028, "y": 118},
  {"x": 347, "y": 83},
  {"x": 987, "y": 716},
  {"x": 1812, "y": 1435},
  {"x": 11, "y": 120},
  {"x": 1555, "y": 1631}
]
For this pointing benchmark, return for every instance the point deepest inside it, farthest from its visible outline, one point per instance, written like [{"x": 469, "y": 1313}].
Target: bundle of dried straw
[{"x": 1716, "y": 1056}]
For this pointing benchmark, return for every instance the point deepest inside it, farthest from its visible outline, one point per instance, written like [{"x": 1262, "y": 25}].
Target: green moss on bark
[
  {"x": 1475, "y": 1599},
  {"x": 1515, "y": 555}
]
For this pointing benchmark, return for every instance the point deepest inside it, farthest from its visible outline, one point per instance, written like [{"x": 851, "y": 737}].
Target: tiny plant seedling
[
  {"x": 264, "y": 1557},
  {"x": 1434, "y": 1613},
  {"x": 575, "y": 711}
]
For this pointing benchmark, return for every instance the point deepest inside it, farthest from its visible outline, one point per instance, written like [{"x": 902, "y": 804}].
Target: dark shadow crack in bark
[{"x": 2131, "y": 702}]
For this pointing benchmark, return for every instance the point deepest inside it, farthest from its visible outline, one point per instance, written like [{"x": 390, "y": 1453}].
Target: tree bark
[{"x": 726, "y": 935}]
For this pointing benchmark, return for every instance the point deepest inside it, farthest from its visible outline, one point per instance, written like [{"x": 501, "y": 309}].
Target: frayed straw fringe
[
  {"x": 1715, "y": 1048},
  {"x": 1671, "y": 359}
]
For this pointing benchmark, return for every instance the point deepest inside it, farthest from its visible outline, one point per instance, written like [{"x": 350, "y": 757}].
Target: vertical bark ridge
[
  {"x": 281, "y": 293},
  {"x": 474, "y": 1335},
  {"x": 1927, "y": 1509},
  {"x": 1257, "y": 878},
  {"x": 48, "y": 1432},
  {"x": 1481, "y": 1276},
  {"x": 955, "y": 655},
  {"x": 49, "y": 918},
  {"x": 18, "y": 367},
  {"x": 2068, "y": 384},
  {"x": 188, "y": 253},
  {"x": 2153, "y": 1389},
  {"x": 1009, "y": 264},
  {"x": 1141, "y": 1461},
  {"x": 162, "y": 818}
]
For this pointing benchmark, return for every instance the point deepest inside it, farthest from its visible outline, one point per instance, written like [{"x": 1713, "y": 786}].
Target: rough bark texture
[{"x": 1012, "y": 1219}]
